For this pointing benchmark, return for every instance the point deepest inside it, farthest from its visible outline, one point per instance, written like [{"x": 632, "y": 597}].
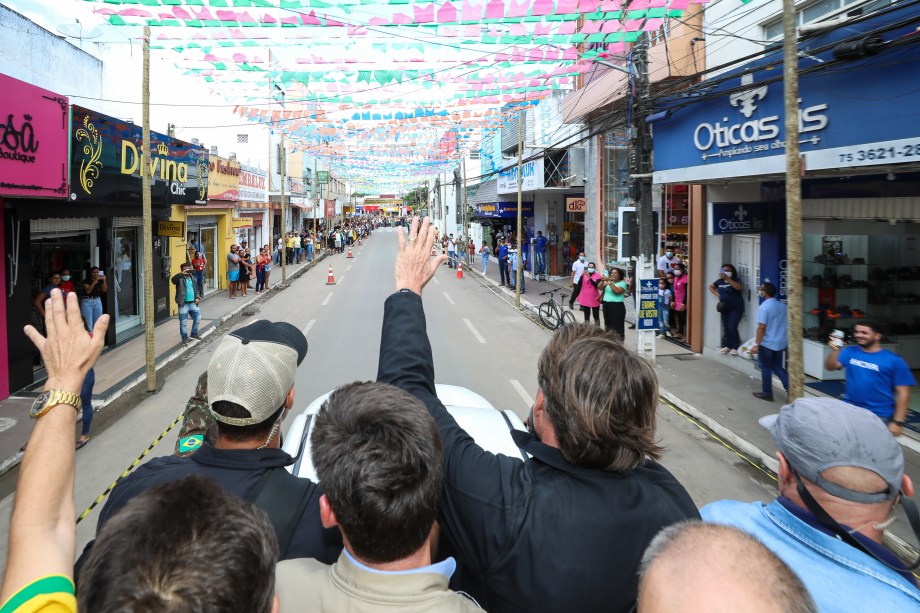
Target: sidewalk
[
  {"x": 716, "y": 391},
  {"x": 123, "y": 367}
]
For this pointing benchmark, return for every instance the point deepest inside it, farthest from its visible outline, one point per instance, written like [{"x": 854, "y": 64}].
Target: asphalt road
[{"x": 480, "y": 341}]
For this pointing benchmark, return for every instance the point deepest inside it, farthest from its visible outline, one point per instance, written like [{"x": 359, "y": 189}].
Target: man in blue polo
[
  {"x": 770, "y": 342},
  {"x": 503, "y": 262},
  {"x": 877, "y": 379},
  {"x": 540, "y": 252}
]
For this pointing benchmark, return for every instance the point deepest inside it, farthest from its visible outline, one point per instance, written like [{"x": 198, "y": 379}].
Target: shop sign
[
  {"x": 223, "y": 179},
  {"x": 253, "y": 184},
  {"x": 648, "y": 305},
  {"x": 532, "y": 173},
  {"x": 576, "y": 205},
  {"x": 741, "y": 132},
  {"x": 322, "y": 177},
  {"x": 739, "y": 218},
  {"x": 106, "y": 156},
  {"x": 383, "y": 202},
  {"x": 242, "y": 222},
  {"x": 503, "y": 209},
  {"x": 296, "y": 186},
  {"x": 329, "y": 208},
  {"x": 33, "y": 141},
  {"x": 170, "y": 228}
]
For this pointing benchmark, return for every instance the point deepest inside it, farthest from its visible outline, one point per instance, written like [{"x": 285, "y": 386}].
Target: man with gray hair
[
  {"x": 700, "y": 567},
  {"x": 840, "y": 475}
]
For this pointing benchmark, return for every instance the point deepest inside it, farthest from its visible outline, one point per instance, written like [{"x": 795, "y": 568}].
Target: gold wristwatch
[{"x": 51, "y": 398}]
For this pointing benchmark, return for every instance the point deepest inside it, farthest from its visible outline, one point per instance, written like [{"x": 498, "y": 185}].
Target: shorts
[{"x": 233, "y": 276}]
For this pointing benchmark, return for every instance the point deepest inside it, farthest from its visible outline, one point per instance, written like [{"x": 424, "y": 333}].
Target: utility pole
[
  {"x": 466, "y": 229},
  {"x": 315, "y": 204},
  {"x": 282, "y": 162},
  {"x": 149, "y": 347},
  {"x": 793, "y": 202},
  {"x": 520, "y": 177},
  {"x": 642, "y": 175}
]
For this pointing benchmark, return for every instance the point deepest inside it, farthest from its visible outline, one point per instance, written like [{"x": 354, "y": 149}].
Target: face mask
[
  {"x": 728, "y": 273},
  {"x": 678, "y": 273},
  {"x": 669, "y": 254},
  {"x": 581, "y": 259},
  {"x": 65, "y": 278},
  {"x": 591, "y": 270}
]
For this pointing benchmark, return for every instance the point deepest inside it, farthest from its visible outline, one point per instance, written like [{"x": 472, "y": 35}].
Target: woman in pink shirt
[
  {"x": 679, "y": 304},
  {"x": 589, "y": 296}
]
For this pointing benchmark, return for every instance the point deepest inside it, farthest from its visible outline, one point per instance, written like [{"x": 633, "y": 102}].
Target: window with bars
[
  {"x": 616, "y": 175},
  {"x": 820, "y": 10}
]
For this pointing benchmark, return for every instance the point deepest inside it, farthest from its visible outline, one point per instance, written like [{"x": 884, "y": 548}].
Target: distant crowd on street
[{"x": 410, "y": 514}]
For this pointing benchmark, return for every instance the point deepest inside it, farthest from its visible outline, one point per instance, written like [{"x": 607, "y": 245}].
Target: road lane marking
[
  {"x": 435, "y": 279},
  {"x": 449, "y": 299},
  {"x": 306, "y": 329},
  {"x": 349, "y": 268},
  {"x": 342, "y": 279},
  {"x": 521, "y": 392},
  {"x": 328, "y": 298},
  {"x": 475, "y": 332}
]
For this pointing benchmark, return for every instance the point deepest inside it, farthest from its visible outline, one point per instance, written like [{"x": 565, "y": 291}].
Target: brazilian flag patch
[{"x": 190, "y": 443}]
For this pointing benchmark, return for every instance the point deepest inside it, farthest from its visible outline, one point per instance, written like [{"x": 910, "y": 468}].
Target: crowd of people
[{"x": 413, "y": 515}]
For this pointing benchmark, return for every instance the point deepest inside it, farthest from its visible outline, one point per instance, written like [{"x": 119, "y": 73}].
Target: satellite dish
[{"x": 76, "y": 30}]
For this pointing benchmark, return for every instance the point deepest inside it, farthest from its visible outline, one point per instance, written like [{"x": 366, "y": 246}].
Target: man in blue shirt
[
  {"x": 770, "y": 342},
  {"x": 877, "y": 379},
  {"x": 540, "y": 252},
  {"x": 503, "y": 262}
]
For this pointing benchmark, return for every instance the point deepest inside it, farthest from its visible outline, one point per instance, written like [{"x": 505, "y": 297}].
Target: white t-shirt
[
  {"x": 664, "y": 264},
  {"x": 450, "y": 245},
  {"x": 578, "y": 267}
]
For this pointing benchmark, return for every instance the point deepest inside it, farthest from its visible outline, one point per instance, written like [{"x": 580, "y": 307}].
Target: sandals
[{"x": 81, "y": 443}]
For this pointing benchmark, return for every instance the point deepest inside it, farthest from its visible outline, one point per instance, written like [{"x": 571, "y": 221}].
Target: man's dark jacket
[
  {"x": 538, "y": 535},
  {"x": 239, "y": 471}
]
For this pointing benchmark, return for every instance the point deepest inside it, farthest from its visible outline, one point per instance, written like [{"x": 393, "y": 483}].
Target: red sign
[
  {"x": 33, "y": 141},
  {"x": 576, "y": 205},
  {"x": 330, "y": 208}
]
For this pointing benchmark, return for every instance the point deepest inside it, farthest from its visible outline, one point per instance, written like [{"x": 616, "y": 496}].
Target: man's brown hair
[{"x": 601, "y": 399}]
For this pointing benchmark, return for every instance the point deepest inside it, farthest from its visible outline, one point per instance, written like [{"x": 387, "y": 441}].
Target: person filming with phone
[{"x": 94, "y": 288}]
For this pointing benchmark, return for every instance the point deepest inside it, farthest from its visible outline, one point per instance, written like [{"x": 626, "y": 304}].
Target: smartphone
[{"x": 101, "y": 274}]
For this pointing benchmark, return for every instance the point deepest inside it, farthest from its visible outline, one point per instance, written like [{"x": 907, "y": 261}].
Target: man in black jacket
[
  {"x": 250, "y": 390},
  {"x": 564, "y": 530},
  {"x": 187, "y": 299}
]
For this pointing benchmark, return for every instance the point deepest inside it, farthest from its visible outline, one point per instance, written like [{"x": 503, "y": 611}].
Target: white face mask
[
  {"x": 669, "y": 254},
  {"x": 678, "y": 273}
]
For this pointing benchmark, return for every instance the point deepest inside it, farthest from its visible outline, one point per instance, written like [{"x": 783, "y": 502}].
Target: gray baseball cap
[
  {"x": 820, "y": 433},
  {"x": 254, "y": 367}
]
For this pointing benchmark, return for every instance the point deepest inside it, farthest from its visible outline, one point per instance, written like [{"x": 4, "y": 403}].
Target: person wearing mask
[
  {"x": 67, "y": 285},
  {"x": 666, "y": 262},
  {"x": 727, "y": 288},
  {"x": 539, "y": 249},
  {"x": 578, "y": 267},
  {"x": 770, "y": 342},
  {"x": 518, "y": 261},
  {"x": 199, "y": 265},
  {"x": 187, "y": 298},
  {"x": 614, "y": 287},
  {"x": 94, "y": 287},
  {"x": 503, "y": 263},
  {"x": 588, "y": 296},
  {"x": 679, "y": 305},
  {"x": 665, "y": 297},
  {"x": 484, "y": 254}
]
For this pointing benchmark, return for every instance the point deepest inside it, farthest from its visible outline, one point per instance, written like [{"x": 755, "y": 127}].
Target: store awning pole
[
  {"x": 520, "y": 190},
  {"x": 793, "y": 203},
  {"x": 149, "y": 346}
]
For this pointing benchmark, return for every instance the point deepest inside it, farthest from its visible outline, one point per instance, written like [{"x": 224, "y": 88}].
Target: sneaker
[
  {"x": 724, "y": 350},
  {"x": 185, "y": 340},
  {"x": 763, "y": 396},
  {"x": 733, "y": 352},
  {"x": 196, "y": 337}
]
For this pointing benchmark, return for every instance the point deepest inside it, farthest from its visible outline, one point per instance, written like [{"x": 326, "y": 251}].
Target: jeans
[
  {"x": 514, "y": 279},
  {"x": 199, "y": 281},
  {"x": 541, "y": 263},
  {"x": 485, "y": 263},
  {"x": 503, "y": 271},
  {"x": 730, "y": 320},
  {"x": 86, "y": 397},
  {"x": 451, "y": 259},
  {"x": 664, "y": 318},
  {"x": 184, "y": 310},
  {"x": 310, "y": 252},
  {"x": 771, "y": 362},
  {"x": 260, "y": 279},
  {"x": 91, "y": 308}
]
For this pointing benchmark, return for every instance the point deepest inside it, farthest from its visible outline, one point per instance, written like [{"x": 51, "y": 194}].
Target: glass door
[
  {"x": 747, "y": 263},
  {"x": 208, "y": 238},
  {"x": 128, "y": 279}
]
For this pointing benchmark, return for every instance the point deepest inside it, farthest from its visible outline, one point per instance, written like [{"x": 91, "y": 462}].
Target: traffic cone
[
  {"x": 433, "y": 252},
  {"x": 459, "y": 269},
  {"x": 349, "y": 253},
  {"x": 330, "y": 280},
  {"x": 359, "y": 241}
]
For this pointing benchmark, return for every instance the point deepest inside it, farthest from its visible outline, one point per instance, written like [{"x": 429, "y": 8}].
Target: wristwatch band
[
  {"x": 899, "y": 423},
  {"x": 52, "y": 398}
]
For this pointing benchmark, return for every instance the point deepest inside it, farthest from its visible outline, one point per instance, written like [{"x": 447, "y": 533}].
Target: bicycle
[{"x": 552, "y": 314}]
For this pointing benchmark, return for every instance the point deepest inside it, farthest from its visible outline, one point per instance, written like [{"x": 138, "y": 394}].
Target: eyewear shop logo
[
  {"x": 741, "y": 138},
  {"x": 741, "y": 223}
]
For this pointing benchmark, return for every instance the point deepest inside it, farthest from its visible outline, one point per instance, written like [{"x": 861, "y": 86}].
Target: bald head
[{"x": 700, "y": 567}]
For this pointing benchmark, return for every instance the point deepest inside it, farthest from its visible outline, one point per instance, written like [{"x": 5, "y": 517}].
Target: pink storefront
[{"x": 34, "y": 125}]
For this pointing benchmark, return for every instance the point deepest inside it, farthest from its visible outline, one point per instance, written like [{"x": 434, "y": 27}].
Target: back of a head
[
  {"x": 601, "y": 398},
  {"x": 378, "y": 454},
  {"x": 186, "y": 546},
  {"x": 711, "y": 568}
]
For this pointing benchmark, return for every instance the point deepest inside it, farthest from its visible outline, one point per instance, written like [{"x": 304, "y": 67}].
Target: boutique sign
[
  {"x": 107, "y": 157},
  {"x": 532, "y": 173},
  {"x": 33, "y": 141},
  {"x": 739, "y": 218}
]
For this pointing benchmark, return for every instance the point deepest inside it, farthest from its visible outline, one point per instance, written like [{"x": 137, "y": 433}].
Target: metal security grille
[{"x": 70, "y": 224}]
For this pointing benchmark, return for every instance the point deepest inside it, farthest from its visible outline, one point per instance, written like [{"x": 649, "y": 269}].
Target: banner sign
[
  {"x": 253, "y": 184},
  {"x": 329, "y": 207},
  {"x": 242, "y": 222},
  {"x": 33, "y": 145},
  {"x": 576, "y": 205},
  {"x": 170, "y": 228},
  {"x": 106, "y": 158},
  {"x": 648, "y": 305},
  {"x": 740, "y": 218},
  {"x": 504, "y": 210},
  {"x": 532, "y": 172},
  {"x": 383, "y": 201},
  {"x": 223, "y": 179}
]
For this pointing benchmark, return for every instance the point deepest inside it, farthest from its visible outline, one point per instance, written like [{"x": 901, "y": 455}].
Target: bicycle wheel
[
  {"x": 549, "y": 315},
  {"x": 568, "y": 317}
]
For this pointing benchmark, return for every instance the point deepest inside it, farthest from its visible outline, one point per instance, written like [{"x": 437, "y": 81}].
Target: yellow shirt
[
  {"x": 51, "y": 594},
  {"x": 291, "y": 242}
]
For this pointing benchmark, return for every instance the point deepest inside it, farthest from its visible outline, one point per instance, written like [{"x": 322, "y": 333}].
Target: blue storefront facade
[{"x": 859, "y": 128}]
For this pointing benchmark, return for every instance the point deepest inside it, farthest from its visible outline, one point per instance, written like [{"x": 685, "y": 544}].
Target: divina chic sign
[
  {"x": 107, "y": 158},
  {"x": 33, "y": 141}
]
